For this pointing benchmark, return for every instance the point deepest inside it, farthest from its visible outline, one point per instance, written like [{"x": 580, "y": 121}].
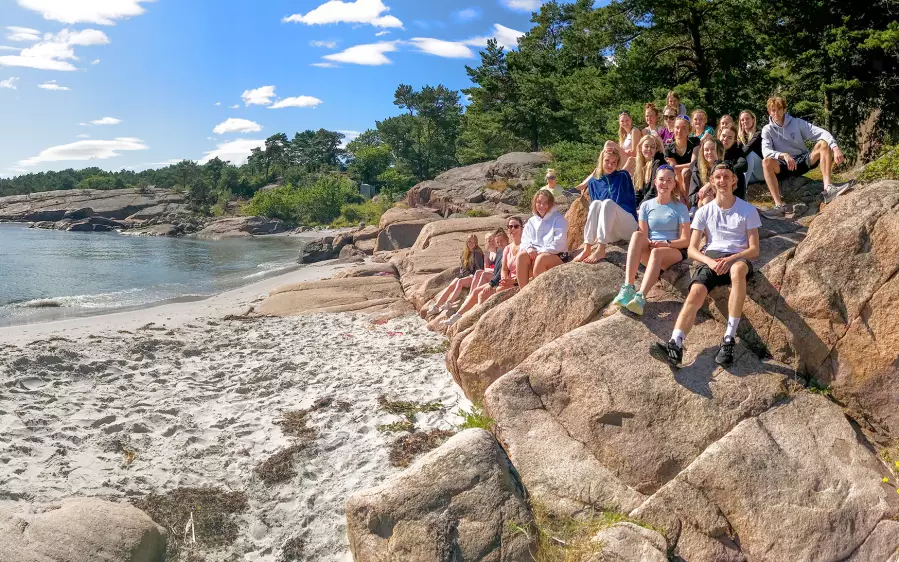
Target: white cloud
[
  {"x": 361, "y": 12},
  {"x": 233, "y": 125},
  {"x": 370, "y": 55},
  {"x": 440, "y": 48},
  {"x": 259, "y": 96},
  {"x": 103, "y": 121},
  {"x": 95, "y": 61},
  {"x": 8, "y": 48},
  {"x": 324, "y": 44},
  {"x": 235, "y": 106},
  {"x": 324, "y": 65},
  {"x": 23, "y": 34},
  {"x": 85, "y": 150},
  {"x": 52, "y": 85},
  {"x": 55, "y": 50},
  {"x": 468, "y": 14},
  {"x": 299, "y": 101},
  {"x": 218, "y": 103},
  {"x": 348, "y": 137},
  {"x": 102, "y": 12},
  {"x": 9, "y": 83},
  {"x": 523, "y": 5},
  {"x": 82, "y": 136},
  {"x": 235, "y": 152},
  {"x": 382, "y": 33},
  {"x": 505, "y": 37}
]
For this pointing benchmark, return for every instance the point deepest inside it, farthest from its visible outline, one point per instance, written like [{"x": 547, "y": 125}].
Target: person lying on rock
[
  {"x": 544, "y": 244},
  {"x": 660, "y": 242},
  {"x": 785, "y": 153},
  {"x": 730, "y": 226},
  {"x": 504, "y": 274},
  {"x": 612, "y": 215},
  {"x": 472, "y": 262}
]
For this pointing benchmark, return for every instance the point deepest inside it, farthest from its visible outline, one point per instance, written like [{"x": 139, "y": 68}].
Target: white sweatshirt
[
  {"x": 547, "y": 235},
  {"x": 791, "y": 137}
]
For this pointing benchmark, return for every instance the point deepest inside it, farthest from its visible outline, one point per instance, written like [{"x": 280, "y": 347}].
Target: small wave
[
  {"x": 269, "y": 269},
  {"x": 101, "y": 300},
  {"x": 40, "y": 303}
]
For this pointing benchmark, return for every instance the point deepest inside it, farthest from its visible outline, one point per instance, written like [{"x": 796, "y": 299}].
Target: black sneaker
[
  {"x": 725, "y": 356},
  {"x": 670, "y": 353}
]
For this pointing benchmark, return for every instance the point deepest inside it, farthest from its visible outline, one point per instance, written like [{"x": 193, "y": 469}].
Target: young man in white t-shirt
[{"x": 731, "y": 228}]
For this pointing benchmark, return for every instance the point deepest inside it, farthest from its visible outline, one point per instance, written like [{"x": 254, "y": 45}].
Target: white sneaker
[
  {"x": 834, "y": 190},
  {"x": 433, "y": 310},
  {"x": 451, "y": 320}
]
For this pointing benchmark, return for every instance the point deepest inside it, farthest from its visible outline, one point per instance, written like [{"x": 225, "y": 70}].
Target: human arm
[
  {"x": 583, "y": 185},
  {"x": 694, "y": 250},
  {"x": 557, "y": 242},
  {"x": 479, "y": 261},
  {"x": 723, "y": 265},
  {"x": 528, "y": 237}
]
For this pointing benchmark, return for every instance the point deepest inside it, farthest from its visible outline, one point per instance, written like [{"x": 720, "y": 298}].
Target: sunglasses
[
  {"x": 513, "y": 226},
  {"x": 669, "y": 118},
  {"x": 550, "y": 177}
]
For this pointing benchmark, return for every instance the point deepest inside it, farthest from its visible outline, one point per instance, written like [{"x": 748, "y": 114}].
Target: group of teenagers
[{"x": 675, "y": 191}]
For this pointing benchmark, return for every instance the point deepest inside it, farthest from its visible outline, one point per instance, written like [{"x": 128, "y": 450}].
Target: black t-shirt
[{"x": 671, "y": 151}]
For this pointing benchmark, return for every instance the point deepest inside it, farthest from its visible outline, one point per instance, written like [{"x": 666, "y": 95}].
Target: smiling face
[
  {"x": 724, "y": 180},
  {"x": 747, "y": 121},
  {"x": 681, "y": 129},
  {"x": 727, "y": 137},
  {"x": 725, "y": 122},
  {"x": 669, "y": 117},
  {"x": 625, "y": 121},
  {"x": 513, "y": 227},
  {"x": 699, "y": 121},
  {"x": 542, "y": 205},
  {"x": 650, "y": 116},
  {"x": 648, "y": 148},
  {"x": 709, "y": 151},
  {"x": 472, "y": 242},
  {"x": 610, "y": 161},
  {"x": 665, "y": 181},
  {"x": 672, "y": 99}
]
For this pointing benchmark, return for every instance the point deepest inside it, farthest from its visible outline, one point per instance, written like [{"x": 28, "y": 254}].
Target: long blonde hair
[
  {"x": 742, "y": 136},
  {"x": 643, "y": 167},
  {"x": 622, "y": 133},
  {"x": 600, "y": 170},
  {"x": 703, "y": 165},
  {"x": 468, "y": 254}
]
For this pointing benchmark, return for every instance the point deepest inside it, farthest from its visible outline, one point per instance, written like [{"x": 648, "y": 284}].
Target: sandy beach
[{"x": 176, "y": 396}]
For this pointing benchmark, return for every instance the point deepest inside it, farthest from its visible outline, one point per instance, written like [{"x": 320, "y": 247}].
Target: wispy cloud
[
  {"x": 468, "y": 14},
  {"x": 324, "y": 65},
  {"x": 235, "y": 106},
  {"x": 233, "y": 125},
  {"x": 101, "y": 12},
  {"x": 369, "y": 55},
  {"x": 25, "y": 34},
  {"x": 324, "y": 44},
  {"x": 103, "y": 121},
  {"x": 522, "y": 5},
  {"x": 259, "y": 96},
  {"x": 9, "y": 83},
  {"x": 53, "y": 86},
  {"x": 55, "y": 51},
  {"x": 237, "y": 152},
  {"x": 440, "y": 48},
  {"x": 505, "y": 37},
  {"x": 86, "y": 150},
  {"x": 372, "y": 12},
  {"x": 298, "y": 101}
]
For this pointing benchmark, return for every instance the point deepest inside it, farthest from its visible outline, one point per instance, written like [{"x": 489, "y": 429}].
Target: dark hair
[
  {"x": 723, "y": 165},
  {"x": 515, "y": 218}
]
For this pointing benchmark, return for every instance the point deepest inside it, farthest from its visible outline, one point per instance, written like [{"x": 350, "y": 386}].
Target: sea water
[{"x": 49, "y": 274}]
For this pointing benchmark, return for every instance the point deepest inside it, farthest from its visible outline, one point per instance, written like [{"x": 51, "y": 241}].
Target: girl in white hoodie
[{"x": 545, "y": 239}]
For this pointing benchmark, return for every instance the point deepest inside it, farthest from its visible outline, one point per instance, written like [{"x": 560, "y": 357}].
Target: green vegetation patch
[
  {"x": 419, "y": 351},
  {"x": 886, "y": 167},
  {"x": 397, "y": 427},
  {"x": 476, "y": 418},
  {"x": 214, "y": 512},
  {"x": 407, "y": 409},
  {"x": 405, "y": 449},
  {"x": 477, "y": 213}
]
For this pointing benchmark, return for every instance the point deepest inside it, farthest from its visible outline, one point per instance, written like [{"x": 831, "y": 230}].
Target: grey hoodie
[{"x": 791, "y": 137}]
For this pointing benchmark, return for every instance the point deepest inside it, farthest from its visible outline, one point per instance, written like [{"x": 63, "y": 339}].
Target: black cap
[{"x": 723, "y": 165}]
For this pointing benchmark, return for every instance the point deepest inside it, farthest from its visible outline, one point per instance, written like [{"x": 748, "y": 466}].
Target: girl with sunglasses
[
  {"x": 660, "y": 241},
  {"x": 667, "y": 130},
  {"x": 505, "y": 274}
]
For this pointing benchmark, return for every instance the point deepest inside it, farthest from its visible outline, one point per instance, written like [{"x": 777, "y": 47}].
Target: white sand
[{"x": 197, "y": 397}]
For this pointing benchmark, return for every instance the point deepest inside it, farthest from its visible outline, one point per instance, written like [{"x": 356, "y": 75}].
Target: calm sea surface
[{"x": 47, "y": 274}]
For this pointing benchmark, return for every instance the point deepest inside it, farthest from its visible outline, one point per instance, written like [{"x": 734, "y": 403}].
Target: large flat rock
[
  {"x": 332, "y": 295},
  {"x": 113, "y": 204},
  {"x": 796, "y": 483}
]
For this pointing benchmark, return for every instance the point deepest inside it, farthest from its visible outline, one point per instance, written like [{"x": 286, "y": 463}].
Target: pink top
[{"x": 511, "y": 262}]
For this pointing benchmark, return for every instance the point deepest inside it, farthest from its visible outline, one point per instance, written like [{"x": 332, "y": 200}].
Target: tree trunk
[
  {"x": 535, "y": 144},
  {"x": 869, "y": 138},
  {"x": 695, "y": 27}
]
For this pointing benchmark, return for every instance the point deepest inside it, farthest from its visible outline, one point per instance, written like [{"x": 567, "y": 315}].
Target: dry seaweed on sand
[
  {"x": 280, "y": 466},
  {"x": 404, "y": 450},
  {"x": 407, "y": 409},
  {"x": 293, "y": 550},
  {"x": 293, "y": 424},
  {"x": 213, "y": 510}
]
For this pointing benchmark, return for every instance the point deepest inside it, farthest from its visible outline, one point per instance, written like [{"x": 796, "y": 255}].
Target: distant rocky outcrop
[
  {"x": 76, "y": 204},
  {"x": 399, "y": 227},
  {"x": 79, "y": 530},
  {"x": 242, "y": 227},
  {"x": 455, "y": 503},
  {"x": 496, "y": 187}
]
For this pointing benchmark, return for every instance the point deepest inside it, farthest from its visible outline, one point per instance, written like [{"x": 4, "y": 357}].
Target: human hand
[
  {"x": 532, "y": 253},
  {"x": 838, "y": 156},
  {"x": 722, "y": 265},
  {"x": 791, "y": 164},
  {"x": 505, "y": 284},
  {"x": 706, "y": 192}
]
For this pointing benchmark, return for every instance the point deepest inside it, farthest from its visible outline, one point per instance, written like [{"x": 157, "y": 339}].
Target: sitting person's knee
[
  {"x": 770, "y": 163},
  {"x": 739, "y": 269}
]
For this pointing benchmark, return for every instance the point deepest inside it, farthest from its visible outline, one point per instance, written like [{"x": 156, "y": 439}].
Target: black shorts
[
  {"x": 802, "y": 166},
  {"x": 683, "y": 257},
  {"x": 706, "y": 276}
]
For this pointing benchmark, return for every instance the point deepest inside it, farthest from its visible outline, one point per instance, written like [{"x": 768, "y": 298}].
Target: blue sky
[{"x": 139, "y": 83}]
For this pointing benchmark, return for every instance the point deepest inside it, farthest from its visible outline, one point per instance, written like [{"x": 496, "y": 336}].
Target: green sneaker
[
  {"x": 624, "y": 295},
  {"x": 637, "y": 304}
]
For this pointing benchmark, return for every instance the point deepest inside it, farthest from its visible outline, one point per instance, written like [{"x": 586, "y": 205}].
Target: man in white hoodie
[{"x": 785, "y": 153}]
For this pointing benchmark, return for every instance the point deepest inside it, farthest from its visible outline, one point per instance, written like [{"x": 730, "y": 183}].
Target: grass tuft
[
  {"x": 476, "y": 418},
  {"x": 407, "y": 409},
  {"x": 397, "y": 427},
  {"x": 477, "y": 213},
  {"x": 404, "y": 450}
]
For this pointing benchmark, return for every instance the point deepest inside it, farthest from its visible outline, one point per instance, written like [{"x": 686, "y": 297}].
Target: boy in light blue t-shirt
[{"x": 660, "y": 241}]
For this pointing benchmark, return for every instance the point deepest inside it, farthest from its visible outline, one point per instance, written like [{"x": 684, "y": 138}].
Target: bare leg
[
  {"x": 474, "y": 297},
  {"x": 771, "y": 167},
  {"x": 546, "y": 262},
  {"x": 687, "y": 316},
  {"x": 524, "y": 263},
  {"x": 486, "y": 293},
  {"x": 659, "y": 259},
  {"x": 441, "y": 298},
  {"x": 637, "y": 251},
  {"x": 738, "y": 273},
  {"x": 598, "y": 254},
  {"x": 588, "y": 249},
  {"x": 457, "y": 292},
  {"x": 823, "y": 152}
]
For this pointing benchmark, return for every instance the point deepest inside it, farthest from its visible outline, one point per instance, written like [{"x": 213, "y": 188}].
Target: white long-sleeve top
[
  {"x": 546, "y": 235},
  {"x": 791, "y": 137}
]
